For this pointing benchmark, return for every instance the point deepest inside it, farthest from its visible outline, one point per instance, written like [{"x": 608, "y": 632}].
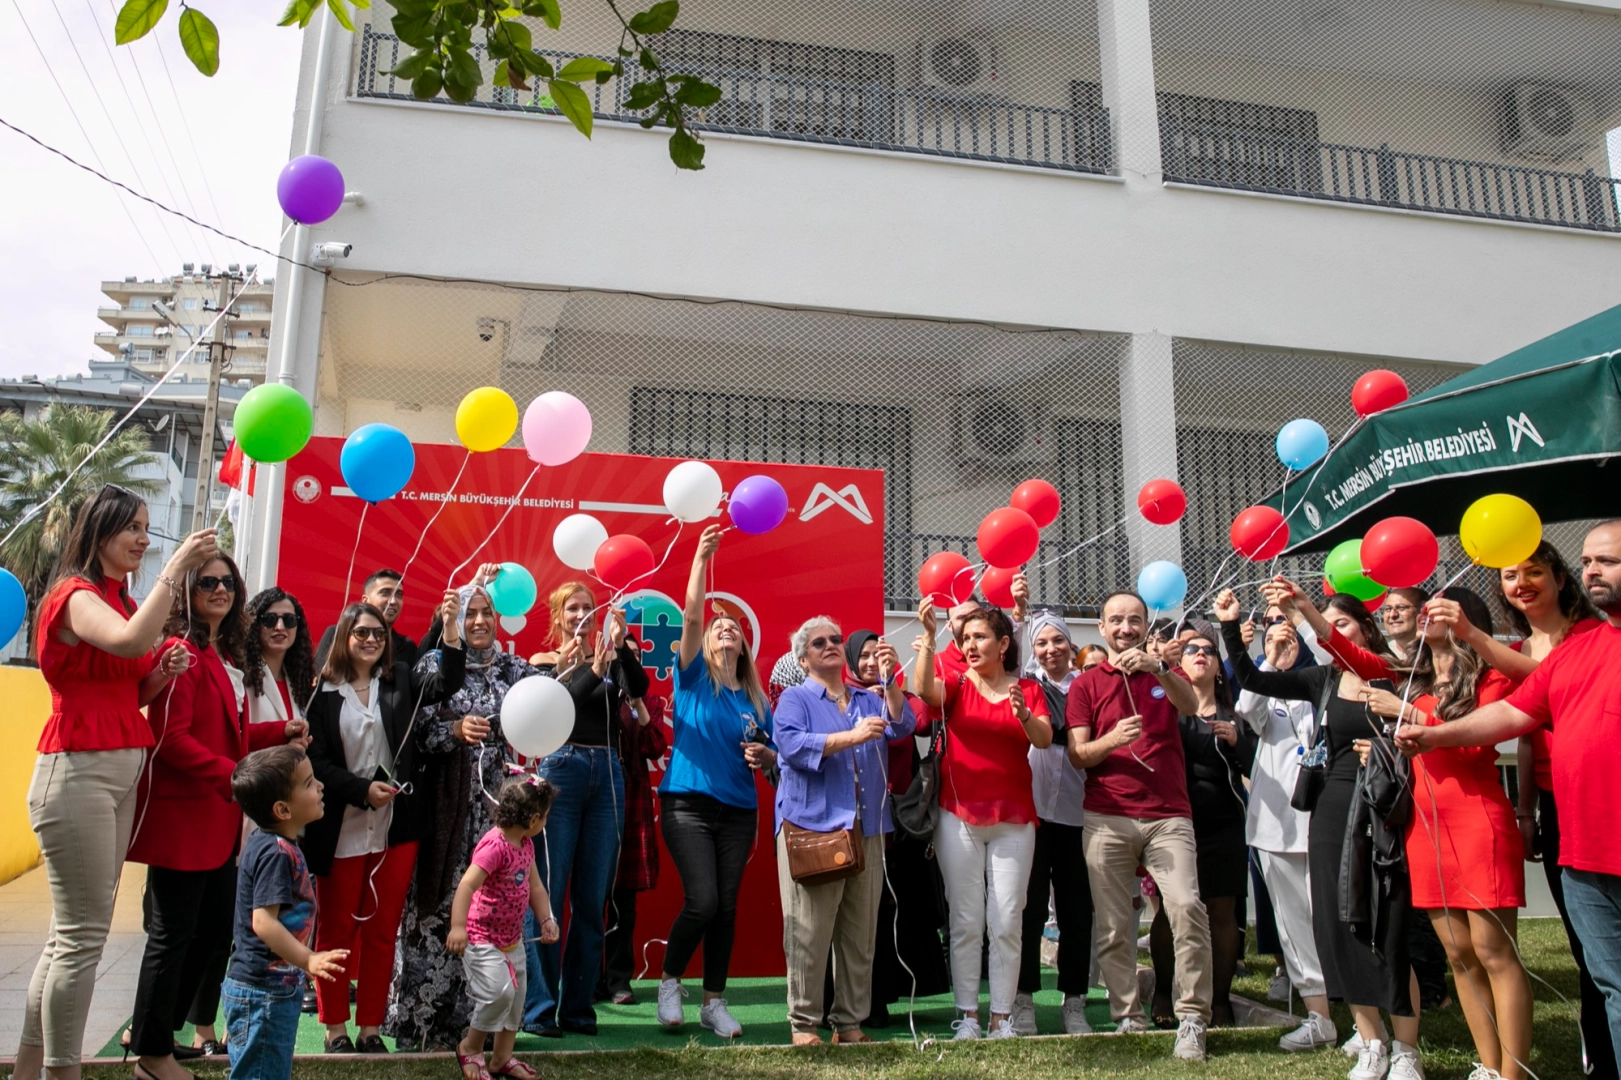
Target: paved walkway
[{"x": 25, "y": 917}]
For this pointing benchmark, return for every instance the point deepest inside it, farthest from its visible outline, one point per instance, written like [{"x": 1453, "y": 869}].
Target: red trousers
[{"x": 360, "y": 903}]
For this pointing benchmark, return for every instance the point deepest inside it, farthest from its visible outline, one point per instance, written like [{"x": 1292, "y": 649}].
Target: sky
[{"x": 210, "y": 146}]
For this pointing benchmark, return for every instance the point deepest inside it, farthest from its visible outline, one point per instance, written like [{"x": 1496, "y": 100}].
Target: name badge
[{"x": 1157, "y": 692}]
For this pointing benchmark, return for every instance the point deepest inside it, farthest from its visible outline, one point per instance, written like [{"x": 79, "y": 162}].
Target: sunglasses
[
  {"x": 1276, "y": 620},
  {"x": 368, "y": 633},
  {"x": 209, "y": 583},
  {"x": 1199, "y": 650},
  {"x": 830, "y": 639},
  {"x": 271, "y": 619}
]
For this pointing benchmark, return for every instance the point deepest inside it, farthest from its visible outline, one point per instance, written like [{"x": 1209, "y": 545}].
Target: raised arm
[
  {"x": 1511, "y": 662},
  {"x": 90, "y": 618},
  {"x": 924, "y": 683},
  {"x": 692, "y": 612}
]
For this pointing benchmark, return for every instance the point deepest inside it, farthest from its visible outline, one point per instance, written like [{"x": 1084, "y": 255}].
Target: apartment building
[{"x": 154, "y": 321}]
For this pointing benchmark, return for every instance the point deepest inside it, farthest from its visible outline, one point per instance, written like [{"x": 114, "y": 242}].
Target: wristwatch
[{"x": 1164, "y": 668}]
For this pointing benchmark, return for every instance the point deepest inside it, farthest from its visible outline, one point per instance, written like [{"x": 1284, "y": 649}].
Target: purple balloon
[
  {"x": 758, "y": 504},
  {"x": 310, "y": 189}
]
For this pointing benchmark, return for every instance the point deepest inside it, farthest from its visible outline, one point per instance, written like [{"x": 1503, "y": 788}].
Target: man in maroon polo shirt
[{"x": 1123, "y": 731}]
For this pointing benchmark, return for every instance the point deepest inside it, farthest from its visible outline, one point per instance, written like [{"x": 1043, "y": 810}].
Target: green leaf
[
  {"x": 361, "y": 5},
  {"x": 548, "y": 10},
  {"x": 415, "y": 64},
  {"x": 341, "y": 11},
  {"x": 582, "y": 68},
  {"x": 298, "y": 11},
  {"x": 685, "y": 150},
  {"x": 427, "y": 85},
  {"x": 136, "y": 18},
  {"x": 604, "y": 76},
  {"x": 649, "y": 61},
  {"x": 201, "y": 40},
  {"x": 503, "y": 74},
  {"x": 699, "y": 95},
  {"x": 645, "y": 95},
  {"x": 536, "y": 64},
  {"x": 463, "y": 69},
  {"x": 413, "y": 28},
  {"x": 460, "y": 92},
  {"x": 572, "y": 103},
  {"x": 516, "y": 34},
  {"x": 656, "y": 19}
]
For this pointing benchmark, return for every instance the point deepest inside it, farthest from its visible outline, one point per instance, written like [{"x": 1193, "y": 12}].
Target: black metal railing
[
  {"x": 1076, "y": 585},
  {"x": 1224, "y": 157},
  {"x": 873, "y": 116}
]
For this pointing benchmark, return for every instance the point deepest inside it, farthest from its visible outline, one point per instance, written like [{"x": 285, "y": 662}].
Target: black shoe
[
  {"x": 372, "y": 1044},
  {"x": 587, "y": 1028},
  {"x": 188, "y": 1053},
  {"x": 342, "y": 1044},
  {"x": 213, "y": 1048},
  {"x": 545, "y": 1031}
]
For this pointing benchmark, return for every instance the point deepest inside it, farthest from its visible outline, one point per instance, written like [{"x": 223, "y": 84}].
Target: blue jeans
[
  {"x": 1594, "y": 903},
  {"x": 261, "y": 1029},
  {"x": 578, "y": 860}
]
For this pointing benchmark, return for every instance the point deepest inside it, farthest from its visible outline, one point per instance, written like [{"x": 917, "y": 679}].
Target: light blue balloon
[
  {"x": 13, "y": 606},
  {"x": 1302, "y": 443},
  {"x": 513, "y": 590},
  {"x": 1162, "y": 585},
  {"x": 377, "y": 461}
]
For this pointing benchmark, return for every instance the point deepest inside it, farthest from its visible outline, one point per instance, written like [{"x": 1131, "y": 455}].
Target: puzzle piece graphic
[{"x": 659, "y": 642}]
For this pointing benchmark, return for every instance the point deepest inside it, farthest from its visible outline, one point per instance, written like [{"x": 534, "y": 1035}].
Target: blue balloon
[
  {"x": 513, "y": 590},
  {"x": 1162, "y": 585},
  {"x": 1302, "y": 443},
  {"x": 377, "y": 461},
  {"x": 13, "y": 606}
]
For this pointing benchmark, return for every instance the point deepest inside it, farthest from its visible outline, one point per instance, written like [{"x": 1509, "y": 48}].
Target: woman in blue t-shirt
[{"x": 707, "y": 804}]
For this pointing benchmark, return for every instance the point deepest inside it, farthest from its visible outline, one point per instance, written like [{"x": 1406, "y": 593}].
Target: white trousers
[
  {"x": 1288, "y": 879},
  {"x": 987, "y": 872}
]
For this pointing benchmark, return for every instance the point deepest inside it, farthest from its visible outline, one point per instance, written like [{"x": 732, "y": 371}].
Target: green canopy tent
[{"x": 1543, "y": 423}]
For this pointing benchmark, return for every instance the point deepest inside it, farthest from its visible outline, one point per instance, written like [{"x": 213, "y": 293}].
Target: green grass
[{"x": 632, "y": 1046}]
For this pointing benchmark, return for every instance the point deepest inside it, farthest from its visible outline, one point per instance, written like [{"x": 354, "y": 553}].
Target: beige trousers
[
  {"x": 1115, "y": 847},
  {"x": 843, "y": 914},
  {"x": 82, "y": 808}
]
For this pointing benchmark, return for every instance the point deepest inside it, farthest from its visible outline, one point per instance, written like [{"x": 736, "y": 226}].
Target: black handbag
[
  {"x": 917, "y": 809},
  {"x": 1313, "y": 775}
]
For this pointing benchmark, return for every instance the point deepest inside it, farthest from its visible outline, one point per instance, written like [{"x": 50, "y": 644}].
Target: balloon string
[
  {"x": 516, "y": 499},
  {"x": 1215, "y": 578},
  {"x": 1082, "y": 544},
  {"x": 349, "y": 578},
  {"x": 640, "y": 577},
  {"x": 426, "y": 529}
]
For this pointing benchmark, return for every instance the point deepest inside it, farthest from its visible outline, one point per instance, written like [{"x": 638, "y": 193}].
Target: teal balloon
[
  {"x": 513, "y": 590},
  {"x": 272, "y": 423},
  {"x": 1302, "y": 443},
  {"x": 377, "y": 461},
  {"x": 1343, "y": 569},
  {"x": 13, "y": 606},
  {"x": 1162, "y": 585}
]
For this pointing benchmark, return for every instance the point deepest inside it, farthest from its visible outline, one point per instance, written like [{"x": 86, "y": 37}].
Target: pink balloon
[{"x": 556, "y": 428}]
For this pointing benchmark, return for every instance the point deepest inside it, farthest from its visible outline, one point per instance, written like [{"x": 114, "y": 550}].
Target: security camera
[
  {"x": 328, "y": 254},
  {"x": 486, "y": 328}
]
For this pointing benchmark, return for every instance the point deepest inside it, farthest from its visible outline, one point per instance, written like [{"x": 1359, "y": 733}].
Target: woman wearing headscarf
[{"x": 1059, "y": 868}]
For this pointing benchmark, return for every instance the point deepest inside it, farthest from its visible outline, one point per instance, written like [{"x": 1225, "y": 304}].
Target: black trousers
[
  {"x": 619, "y": 944},
  {"x": 1059, "y": 865},
  {"x": 709, "y": 843},
  {"x": 188, "y": 916},
  {"x": 1595, "y": 1021}
]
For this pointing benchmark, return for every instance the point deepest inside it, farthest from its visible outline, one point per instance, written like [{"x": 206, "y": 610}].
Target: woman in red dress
[{"x": 96, "y": 653}]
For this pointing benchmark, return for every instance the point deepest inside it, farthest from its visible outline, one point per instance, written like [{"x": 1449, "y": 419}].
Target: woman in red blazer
[{"x": 187, "y": 827}]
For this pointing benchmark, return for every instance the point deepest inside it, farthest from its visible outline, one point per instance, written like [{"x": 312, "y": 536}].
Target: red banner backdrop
[{"x": 826, "y": 558}]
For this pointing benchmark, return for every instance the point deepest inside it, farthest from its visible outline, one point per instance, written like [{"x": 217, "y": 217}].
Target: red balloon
[
  {"x": 1377, "y": 391},
  {"x": 1039, "y": 499},
  {"x": 946, "y": 579},
  {"x": 997, "y": 585},
  {"x": 1008, "y": 537},
  {"x": 1259, "y": 533},
  {"x": 1400, "y": 552},
  {"x": 1371, "y": 605},
  {"x": 1162, "y": 502},
  {"x": 622, "y": 560}
]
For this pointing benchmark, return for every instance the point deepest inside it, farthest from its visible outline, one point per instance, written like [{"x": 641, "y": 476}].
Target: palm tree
[{"x": 35, "y": 456}]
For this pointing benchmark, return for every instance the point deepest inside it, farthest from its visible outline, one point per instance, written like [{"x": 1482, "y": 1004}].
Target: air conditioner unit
[
  {"x": 992, "y": 430},
  {"x": 1547, "y": 123},
  {"x": 958, "y": 64}
]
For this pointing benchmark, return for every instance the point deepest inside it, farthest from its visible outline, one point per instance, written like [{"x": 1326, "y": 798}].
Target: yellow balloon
[
  {"x": 1499, "y": 531},
  {"x": 486, "y": 419}
]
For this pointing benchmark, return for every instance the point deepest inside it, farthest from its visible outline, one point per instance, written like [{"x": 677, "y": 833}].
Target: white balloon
[
  {"x": 537, "y": 715},
  {"x": 514, "y": 624},
  {"x": 692, "y": 491},
  {"x": 577, "y": 538}
]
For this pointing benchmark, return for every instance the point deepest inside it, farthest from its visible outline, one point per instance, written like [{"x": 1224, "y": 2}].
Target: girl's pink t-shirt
[{"x": 496, "y": 915}]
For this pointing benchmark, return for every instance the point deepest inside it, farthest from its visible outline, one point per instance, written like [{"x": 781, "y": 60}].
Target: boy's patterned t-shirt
[{"x": 272, "y": 874}]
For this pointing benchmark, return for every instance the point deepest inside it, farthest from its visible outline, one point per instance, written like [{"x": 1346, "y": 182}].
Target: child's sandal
[
  {"x": 514, "y": 1069},
  {"x": 465, "y": 1060}
]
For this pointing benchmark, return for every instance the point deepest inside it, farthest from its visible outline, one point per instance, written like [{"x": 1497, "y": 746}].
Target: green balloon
[
  {"x": 1343, "y": 569},
  {"x": 273, "y": 422}
]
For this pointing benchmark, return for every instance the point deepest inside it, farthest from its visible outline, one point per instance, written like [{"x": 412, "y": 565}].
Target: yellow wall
[{"x": 27, "y": 705}]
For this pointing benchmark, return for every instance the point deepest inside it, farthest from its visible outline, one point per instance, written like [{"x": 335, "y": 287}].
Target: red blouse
[
  {"x": 95, "y": 696},
  {"x": 985, "y": 774}
]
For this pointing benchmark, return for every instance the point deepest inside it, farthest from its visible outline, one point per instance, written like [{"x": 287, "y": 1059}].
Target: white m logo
[
  {"x": 1522, "y": 428},
  {"x": 848, "y": 497}
]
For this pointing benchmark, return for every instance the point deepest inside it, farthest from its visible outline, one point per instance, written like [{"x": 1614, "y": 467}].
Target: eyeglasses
[
  {"x": 1276, "y": 620},
  {"x": 1399, "y": 609},
  {"x": 1200, "y": 650},
  {"x": 823, "y": 642},
  {"x": 210, "y": 583},
  {"x": 271, "y": 619},
  {"x": 368, "y": 633}
]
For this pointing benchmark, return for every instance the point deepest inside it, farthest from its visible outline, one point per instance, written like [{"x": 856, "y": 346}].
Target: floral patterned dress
[{"x": 429, "y": 1004}]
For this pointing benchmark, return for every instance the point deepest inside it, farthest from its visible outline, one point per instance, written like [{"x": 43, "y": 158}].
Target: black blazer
[{"x": 343, "y": 788}]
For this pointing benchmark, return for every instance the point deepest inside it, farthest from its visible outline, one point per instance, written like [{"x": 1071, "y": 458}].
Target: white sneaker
[
  {"x": 1404, "y": 1062},
  {"x": 1189, "y": 1039},
  {"x": 1372, "y": 1063},
  {"x": 670, "y": 994},
  {"x": 1353, "y": 1045},
  {"x": 1132, "y": 1025},
  {"x": 1482, "y": 1073},
  {"x": 1075, "y": 1022},
  {"x": 1023, "y": 1016},
  {"x": 965, "y": 1028},
  {"x": 1317, "y": 1032},
  {"x": 1279, "y": 989},
  {"x": 1142, "y": 943},
  {"x": 714, "y": 1016},
  {"x": 1003, "y": 1029}
]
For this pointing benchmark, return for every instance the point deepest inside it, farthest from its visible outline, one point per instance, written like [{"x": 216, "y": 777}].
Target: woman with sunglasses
[
  {"x": 95, "y": 652},
  {"x": 189, "y": 826},
  {"x": 363, "y": 748}
]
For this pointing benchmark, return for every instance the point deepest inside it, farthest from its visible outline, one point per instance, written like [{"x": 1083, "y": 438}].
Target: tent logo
[
  {"x": 848, "y": 497},
  {"x": 307, "y": 489},
  {"x": 1315, "y": 518},
  {"x": 1522, "y": 428}
]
